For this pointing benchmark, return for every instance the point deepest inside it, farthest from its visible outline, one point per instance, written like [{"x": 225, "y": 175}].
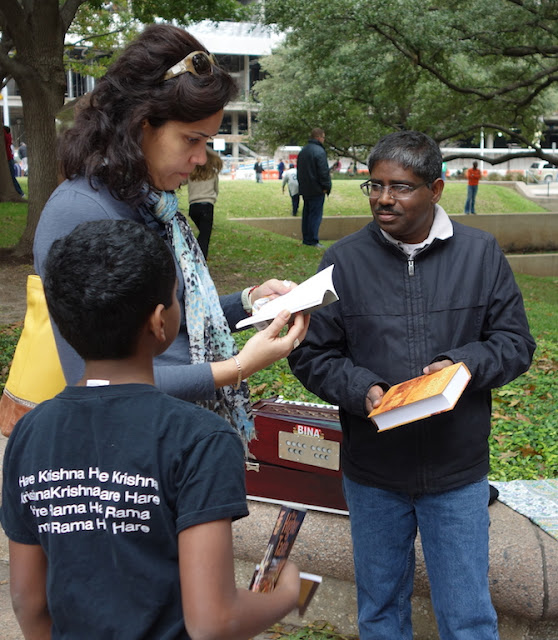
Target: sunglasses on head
[{"x": 198, "y": 63}]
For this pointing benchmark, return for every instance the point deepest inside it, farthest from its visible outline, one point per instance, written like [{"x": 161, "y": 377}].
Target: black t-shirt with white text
[{"x": 104, "y": 479}]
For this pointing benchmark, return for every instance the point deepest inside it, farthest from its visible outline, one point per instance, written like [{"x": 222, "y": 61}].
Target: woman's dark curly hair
[{"x": 105, "y": 141}]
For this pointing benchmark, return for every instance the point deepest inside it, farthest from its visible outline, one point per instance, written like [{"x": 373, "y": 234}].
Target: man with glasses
[
  {"x": 314, "y": 181},
  {"x": 417, "y": 292}
]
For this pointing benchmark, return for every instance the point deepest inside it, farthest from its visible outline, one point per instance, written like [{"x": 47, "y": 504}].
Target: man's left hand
[{"x": 436, "y": 366}]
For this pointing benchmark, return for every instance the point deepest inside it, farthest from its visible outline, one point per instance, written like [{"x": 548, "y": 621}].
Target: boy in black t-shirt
[{"x": 118, "y": 499}]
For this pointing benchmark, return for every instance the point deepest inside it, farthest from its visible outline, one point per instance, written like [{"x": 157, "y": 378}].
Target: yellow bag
[{"x": 36, "y": 373}]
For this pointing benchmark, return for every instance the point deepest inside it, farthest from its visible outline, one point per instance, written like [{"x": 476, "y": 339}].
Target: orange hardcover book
[{"x": 421, "y": 397}]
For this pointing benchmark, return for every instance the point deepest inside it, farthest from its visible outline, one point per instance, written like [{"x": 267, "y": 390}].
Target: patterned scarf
[{"x": 208, "y": 330}]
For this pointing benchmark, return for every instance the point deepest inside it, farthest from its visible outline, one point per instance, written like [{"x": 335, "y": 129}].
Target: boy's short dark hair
[{"x": 102, "y": 281}]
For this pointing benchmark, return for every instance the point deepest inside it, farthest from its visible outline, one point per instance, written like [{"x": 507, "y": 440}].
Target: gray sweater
[
  {"x": 203, "y": 190},
  {"x": 75, "y": 201}
]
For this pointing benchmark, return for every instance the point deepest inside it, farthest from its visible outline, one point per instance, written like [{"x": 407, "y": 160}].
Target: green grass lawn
[
  {"x": 245, "y": 198},
  {"x": 523, "y": 441}
]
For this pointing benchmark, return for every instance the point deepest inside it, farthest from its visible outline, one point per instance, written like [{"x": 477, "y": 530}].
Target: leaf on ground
[
  {"x": 527, "y": 451},
  {"x": 505, "y": 455},
  {"x": 547, "y": 365},
  {"x": 496, "y": 415},
  {"x": 259, "y": 388}
]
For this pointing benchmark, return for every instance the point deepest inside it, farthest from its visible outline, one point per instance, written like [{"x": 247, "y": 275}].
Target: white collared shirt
[{"x": 441, "y": 228}]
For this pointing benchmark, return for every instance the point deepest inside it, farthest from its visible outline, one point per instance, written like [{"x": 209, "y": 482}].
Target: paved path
[
  {"x": 549, "y": 190},
  {"x": 545, "y": 194}
]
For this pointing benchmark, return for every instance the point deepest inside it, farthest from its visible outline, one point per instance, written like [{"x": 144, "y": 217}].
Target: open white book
[{"x": 312, "y": 294}]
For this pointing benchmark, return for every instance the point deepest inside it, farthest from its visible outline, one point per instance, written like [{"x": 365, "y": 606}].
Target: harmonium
[{"x": 295, "y": 456}]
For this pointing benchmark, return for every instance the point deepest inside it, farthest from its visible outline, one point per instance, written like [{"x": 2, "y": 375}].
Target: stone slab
[{"x": 523, "y": 558}]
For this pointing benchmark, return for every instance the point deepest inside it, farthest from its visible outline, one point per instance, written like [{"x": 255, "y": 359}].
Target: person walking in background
[
  {"x": 10, "y": 156},
  {"x": 336, "y": 166},
  {"x": 314, "y": 183},
  {"x": 473, "y": 177},
  {"x": 203, "y": 189},
  {"x": 290, "y": 180},
  {"x": 281, "y": 168},
  {"x": 22, "y": 153},
  {"x": 258, "y": 169},
  {"x": 404, "y": 310}
]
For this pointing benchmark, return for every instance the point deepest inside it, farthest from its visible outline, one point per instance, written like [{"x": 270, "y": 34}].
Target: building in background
[{"x": 238, "y": 46}]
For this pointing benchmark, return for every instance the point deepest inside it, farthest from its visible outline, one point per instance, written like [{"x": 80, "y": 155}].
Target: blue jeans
[
  {"x": 454, "y": 535},
  {"x": 312, "y": 213},
  {"x": 471, "y": 197}
]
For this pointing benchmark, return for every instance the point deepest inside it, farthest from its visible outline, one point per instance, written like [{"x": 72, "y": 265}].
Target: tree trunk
[
  {"x": 7, "y": 189},
  {"x": 41, "y": 80},
  {"x": 41, "y": 103}
]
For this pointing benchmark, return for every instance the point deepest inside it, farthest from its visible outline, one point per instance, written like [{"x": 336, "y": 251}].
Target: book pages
[{"x": 314, "y": 293}]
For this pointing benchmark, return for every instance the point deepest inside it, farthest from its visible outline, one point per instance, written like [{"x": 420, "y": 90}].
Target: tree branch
[
  {"x": 531, "y": 96},
  {"x": 547, "y": 157},
  {"x": 11, "y": 12},
  {"x": 524, "y": 50},
  {"x": 415, "y": 56},
  {"x": 93, "y": 36},
  {"x": 68, "y": 12}
]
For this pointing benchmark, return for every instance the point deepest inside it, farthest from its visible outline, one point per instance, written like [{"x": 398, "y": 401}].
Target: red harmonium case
[{"x": 296, "y": 454}]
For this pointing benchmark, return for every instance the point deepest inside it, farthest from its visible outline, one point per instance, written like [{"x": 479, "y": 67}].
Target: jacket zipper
[{"x": 411, "y": 267}]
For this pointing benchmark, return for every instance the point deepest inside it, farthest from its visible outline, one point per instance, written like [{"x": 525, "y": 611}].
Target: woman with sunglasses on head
[
  {"x": 140, "y": 134},
  {"x": 168, "y": 530}
]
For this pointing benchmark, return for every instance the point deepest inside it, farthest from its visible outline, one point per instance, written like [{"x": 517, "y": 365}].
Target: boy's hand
[{"x": 288, "y": 582}]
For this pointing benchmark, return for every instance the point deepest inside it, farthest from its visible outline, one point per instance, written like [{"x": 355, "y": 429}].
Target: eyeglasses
[
  {"x": 374, "y": 190},
  {"x": 198, "y": 63}
]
